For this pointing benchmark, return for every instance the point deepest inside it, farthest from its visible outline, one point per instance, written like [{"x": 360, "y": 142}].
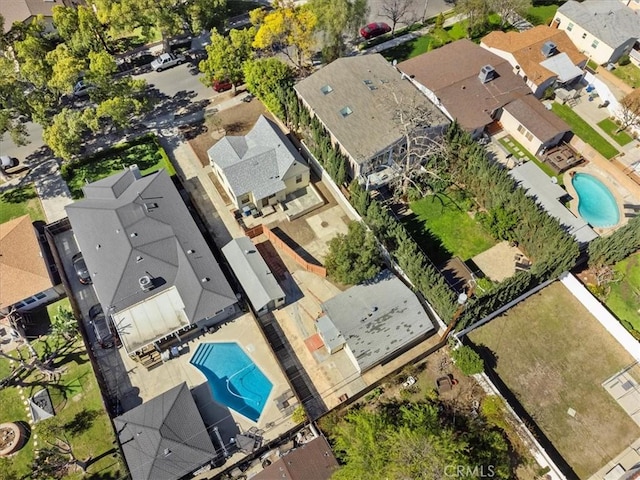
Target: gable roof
[
  {"x": 533, "y": 115},
  {"x": 21, "y": 10},
  {"x": 451, "y": 73},
  {"x": 612, "y": 22},
  {"x": 164, "y": 438},
  {"x": 23, "y": 271},
  {"x": 130, "y": 226},
  {"x": 311, "y": 461},
  {"x": 378, "y": 318},
  {"x": 526, "y": 48},
  {"x": 258, "y": 162},
  {"x": 252, "y": 271},
  {"x": 369, "y": 86}
]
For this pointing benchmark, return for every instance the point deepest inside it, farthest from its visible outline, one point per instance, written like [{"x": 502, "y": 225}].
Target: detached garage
[{"x": 254, "y": 275}]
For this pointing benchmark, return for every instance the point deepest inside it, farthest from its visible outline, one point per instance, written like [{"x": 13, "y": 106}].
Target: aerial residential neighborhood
[{"x": 313, "y": 240}]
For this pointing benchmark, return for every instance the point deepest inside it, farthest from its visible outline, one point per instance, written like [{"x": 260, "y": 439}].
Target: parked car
[
  {"x": 81, "y": 269},
  {"x": 222, "y": 85},
  {"x": 374, "y": 30},
  {"x": 82, "y": 89},
  {"x": 7, "y": 162},
  {"x": 167, "y": 60},
  {"x": 104, "y": 336},
  {"x": 11, "y": 166}
]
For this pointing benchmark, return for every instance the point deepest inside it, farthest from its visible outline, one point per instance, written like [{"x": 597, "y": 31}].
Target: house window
[
  {"x": 570, "y": 26},
  {"x": 299, "y": 179},
  {"x": 521, "y": 129},
  {"x": 584, "y": 35},
  {"x": 529, "y": 136},
  {"x": 346, "y": 111},
  {"x": 40, "y": 295},
  {"x": 326, "y": 89},
  {"x": 29, "y": 301},
  {"x": 595, "y": 44}
]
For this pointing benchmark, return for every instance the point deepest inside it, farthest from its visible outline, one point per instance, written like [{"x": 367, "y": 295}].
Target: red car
[
  {"x": 222, "y": 85},
  {"x": 374, "y": 30}
]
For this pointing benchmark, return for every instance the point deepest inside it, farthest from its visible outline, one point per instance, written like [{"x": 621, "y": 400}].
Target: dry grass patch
[{"x": 554, "y": 355}]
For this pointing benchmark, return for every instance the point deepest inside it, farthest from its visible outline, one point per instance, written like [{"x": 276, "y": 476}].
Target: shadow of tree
[
  {"x": 19, "y": 194},
  {"x": 81, "y": 422}
]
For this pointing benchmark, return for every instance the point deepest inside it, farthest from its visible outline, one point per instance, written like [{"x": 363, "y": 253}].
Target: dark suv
[
  {"x": 80, "y": 267},
  {"x": 100, "y": 324}
]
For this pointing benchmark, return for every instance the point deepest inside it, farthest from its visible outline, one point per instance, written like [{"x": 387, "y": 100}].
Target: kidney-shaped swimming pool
[{"x": 596, "y": 204}]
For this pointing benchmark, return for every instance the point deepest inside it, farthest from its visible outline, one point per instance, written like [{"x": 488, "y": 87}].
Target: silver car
[{"x": 167, "y": 60}]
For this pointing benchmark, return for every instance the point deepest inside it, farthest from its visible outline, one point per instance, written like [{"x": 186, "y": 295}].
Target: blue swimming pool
[
  {"x": 596, "y": 203},
  {"x": 234, "y": 379}
]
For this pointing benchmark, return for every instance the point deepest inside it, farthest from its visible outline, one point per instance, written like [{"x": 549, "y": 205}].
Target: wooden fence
[{"x": 279, "y": 243}]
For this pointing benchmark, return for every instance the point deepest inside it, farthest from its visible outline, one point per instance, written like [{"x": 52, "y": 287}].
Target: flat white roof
[{"x": 153, "y": 318}]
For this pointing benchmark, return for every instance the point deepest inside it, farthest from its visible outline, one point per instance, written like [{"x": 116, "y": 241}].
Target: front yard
[
  {"x": 78, "y": 409},
  {"x": 443, "y": 228},
  {"x": 145, "y": 152},
  {"x": 629, "y": 74},
  {"x": 553, "y": 355},
  {"x": 19, "y": 201},
  {"x": 585, "y": 131}
]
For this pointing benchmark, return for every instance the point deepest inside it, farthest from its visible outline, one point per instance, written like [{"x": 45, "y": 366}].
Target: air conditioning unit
[{"x": 145, "y": 283}]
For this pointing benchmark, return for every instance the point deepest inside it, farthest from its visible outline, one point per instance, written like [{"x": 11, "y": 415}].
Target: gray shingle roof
[
  {"x": 547, "y": 194},
  {"x": 128, "y": 227},
  {"x": 608, "y": 20},
  {"x": 252, "y": 271},
  {"x": 164, "y": 438},
  {"x": 371, "y": 127},
  {"x": 259, "y": 162},
  {"x": 378, "y": 318},
  {"x": 533, "y": 115}
]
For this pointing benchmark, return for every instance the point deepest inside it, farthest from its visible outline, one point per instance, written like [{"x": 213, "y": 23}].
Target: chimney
[
  {"x": 136, "y": 171},
  {"x": 549, "y": 49},
  {"x": 146, "y": 284},
  {"x": 487, "y": 73}
]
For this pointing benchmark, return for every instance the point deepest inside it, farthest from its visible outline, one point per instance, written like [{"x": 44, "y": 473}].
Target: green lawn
[
  {"x": 610, "y": 127},
  {"x": 146, "y": 153},
  {"x": 442, "y": 219},
  {"x": 78, "y": 406},
  {"x": 529, "y": 156},
  {"x": 585, "y": 131},
  {"x": 629, "y": 74},
  {"x": 19, "y": 201},
  {"x": 542, "y": 14},
  {"x": 624, "y": 298}
]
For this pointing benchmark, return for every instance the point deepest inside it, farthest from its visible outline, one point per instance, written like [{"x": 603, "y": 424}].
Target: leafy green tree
[
  {"x": 205, "y": 14},
  {"x": 354, "y": 257},
  {"x": 467, "y": 360},
  {"x": 119, "y": 111},
  {"x": 64, "y": 324},
  {"x": 80, "y": 29},
  {"x": 226, "y": 56},
  {"x": 64, "y": 135},
  {"x": 360, "y": 198},
  {"x": 337, "y": 19},
  {"x": 617, "y": 246},
  {"x": 265, "y": 77},
  {"x": 65, "y": 69},
  {"x": 31, "y": 54},
  {"x": 13, "y": 103}
]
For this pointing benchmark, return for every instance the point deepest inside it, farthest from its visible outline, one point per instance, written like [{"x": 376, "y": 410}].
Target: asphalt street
[{"x": 414, "y": 14}]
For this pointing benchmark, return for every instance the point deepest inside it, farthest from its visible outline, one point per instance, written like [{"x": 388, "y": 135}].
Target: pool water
[
  {"x": 596, "y": 203},
  {"x": 234, "y": 380}
]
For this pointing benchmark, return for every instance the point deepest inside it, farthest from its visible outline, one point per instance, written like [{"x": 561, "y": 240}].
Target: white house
[
  {"x": 602, "y": 30},
  {"x": 261, "y": 168}
]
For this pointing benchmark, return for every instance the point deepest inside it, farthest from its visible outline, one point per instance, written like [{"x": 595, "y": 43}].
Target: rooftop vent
[
  {"x": 549, "y": 49},
  {"x": 150, "y": 206},
  {"x": 369, "y": 84},
  {"x": 145, "y": 283},
  {"x": 487, "y": 73},
  {"x": 136, "y": 171},
  {"x": 189, "y": 252}
]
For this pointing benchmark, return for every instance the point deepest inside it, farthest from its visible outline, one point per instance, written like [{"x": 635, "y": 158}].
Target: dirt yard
[
  {"x": 553, "y": 355},
  {"x": 237, "y": 120}
]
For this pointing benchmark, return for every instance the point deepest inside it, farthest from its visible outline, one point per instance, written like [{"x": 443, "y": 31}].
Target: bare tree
[
  {"x": 507, "y": 8},
  {"x": 396, "y": 11},
  {"x": 629, "y": 112},
  {"x": 476, "y": 13}
]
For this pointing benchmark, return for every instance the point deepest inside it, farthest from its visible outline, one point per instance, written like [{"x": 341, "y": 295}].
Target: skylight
[
  {"x": 326, "y": 89},
  {"x": 346, "y": 111},
  {"x": 369, "y": 84}
]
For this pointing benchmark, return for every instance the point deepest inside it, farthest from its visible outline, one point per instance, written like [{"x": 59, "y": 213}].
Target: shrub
[
  {"x": 299, "y": 415},
  {"x": 624, "y": 60},
  {"x": 467, "y": 360}
]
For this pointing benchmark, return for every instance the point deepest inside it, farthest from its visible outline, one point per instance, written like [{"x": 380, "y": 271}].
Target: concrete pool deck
[{"x": 274, "y": 420}]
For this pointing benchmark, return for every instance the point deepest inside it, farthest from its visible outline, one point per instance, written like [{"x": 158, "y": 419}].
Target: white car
[
  {"x": 167, "y": 60},
  {"x": 82, "y": 89}
]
